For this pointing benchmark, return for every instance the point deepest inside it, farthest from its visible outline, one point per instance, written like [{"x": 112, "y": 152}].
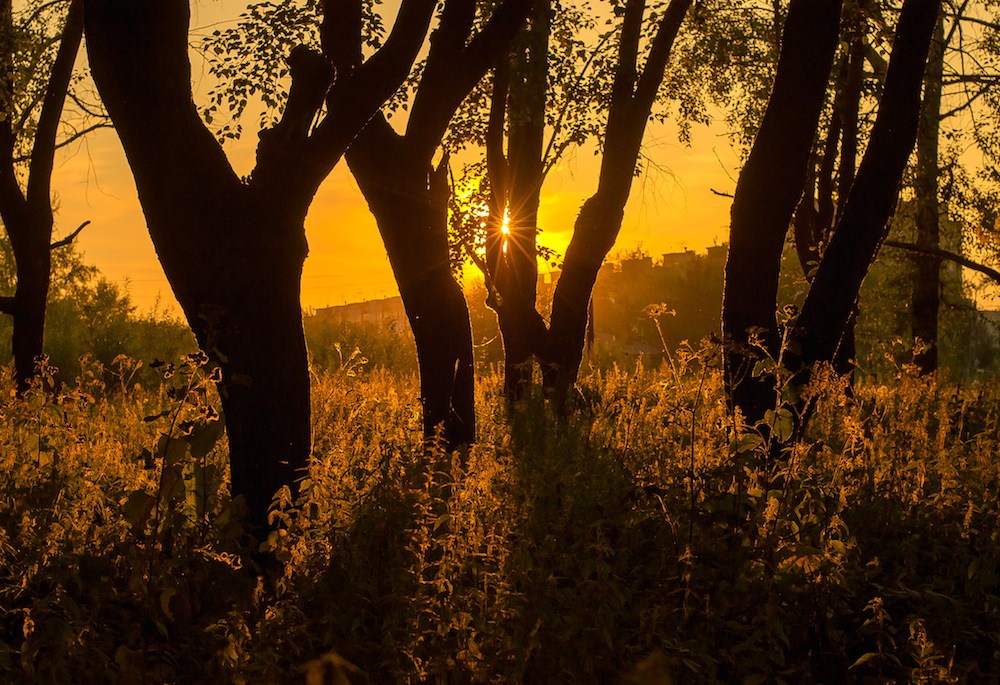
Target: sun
[{"x": 505, "y": 228}]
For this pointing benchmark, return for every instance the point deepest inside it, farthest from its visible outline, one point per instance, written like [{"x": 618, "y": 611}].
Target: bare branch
[
  {"x": 68, "y": 240},
  {"x": 945, "y": 254},
  {"x": 43, "y": 152}
]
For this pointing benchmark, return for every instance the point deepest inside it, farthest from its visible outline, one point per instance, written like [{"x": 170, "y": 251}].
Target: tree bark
[
  {"x": 231, "y": 249},
  {"x": 767, "y": 193},
  {"x": 927, "y": 280},
  {"x": 863, "y": 225}
]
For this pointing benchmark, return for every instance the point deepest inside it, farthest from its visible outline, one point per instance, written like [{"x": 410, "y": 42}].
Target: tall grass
[{"x": 638, "y": 540}]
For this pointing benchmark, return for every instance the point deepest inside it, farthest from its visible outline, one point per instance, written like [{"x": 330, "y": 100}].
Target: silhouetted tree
[
  {"x": 769, "y": 188},
  {"x": 864, "y": 223},
  {"x": 515, "y": 180},
  {"x": 757, "y": 235},
  {"x": 31, "y": 122},
  {"x": 409, "y": 197},
  {"x": 232, "y": 248},
  {"x": 927, "y": 280}
]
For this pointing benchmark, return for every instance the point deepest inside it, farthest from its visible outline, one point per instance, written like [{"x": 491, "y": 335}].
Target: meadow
[{"x": 643, "y": 539}]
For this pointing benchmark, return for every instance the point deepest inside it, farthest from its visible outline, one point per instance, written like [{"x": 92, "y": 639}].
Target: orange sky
[{"x": 667, "y": 211}]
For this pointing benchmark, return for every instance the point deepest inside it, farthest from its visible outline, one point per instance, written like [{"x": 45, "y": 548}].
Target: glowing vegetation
[{"x": 634, "y": 539}]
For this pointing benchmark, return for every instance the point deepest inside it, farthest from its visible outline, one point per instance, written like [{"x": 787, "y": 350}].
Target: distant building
[
  {"x": 717, "y": 253},
  {"x": 678, "y": 260},
  {"x": 376, "y": 313}
]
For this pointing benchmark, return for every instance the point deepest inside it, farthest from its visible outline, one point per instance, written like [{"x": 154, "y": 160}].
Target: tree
[
  {"x": 33, "y": 88},
  {"x": 926, "y": 299},
  {"x": 773, "y": 178},
  {"x": 409, "y": 197},
  {"x": 870, "y": 204},
  {"x": 515, "y": 178},
  {"x": 751, "y": 274},
  {"x": 232, "y": 249}
]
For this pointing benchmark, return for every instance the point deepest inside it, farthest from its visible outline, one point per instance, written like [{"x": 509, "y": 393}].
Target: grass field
[{"x": 641, "y": 540}]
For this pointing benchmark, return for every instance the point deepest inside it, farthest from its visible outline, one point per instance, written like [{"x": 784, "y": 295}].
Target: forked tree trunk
[
  {"x": 520, "y": 87},
  {"x": 515, "y": 183},
  {"x": 233, "y": 250},
  {"x": 767, "y": 193},
  {"x": 863, "y": 225},
  {"x": 409, "y": 199}
]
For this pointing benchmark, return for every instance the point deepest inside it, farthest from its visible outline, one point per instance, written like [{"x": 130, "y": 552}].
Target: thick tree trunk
[
  {"x": 265, "y": 390},
  {"x": 233, "y": 249},
  {"x": 246, "y": 314},
  {"x": 232, "y": 253},
  {"x": 864, "y": 223},
  {"x": 768, "y": 191},
  {"x": 409, "y": 200},
  {"x": 927, "y": 280}
]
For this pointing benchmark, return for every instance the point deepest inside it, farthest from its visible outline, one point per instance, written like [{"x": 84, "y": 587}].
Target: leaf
[
  {"x": 781, "y": 423},
  {"x": 764, "y": 366},
  {"x": 746, "y": 443},
  {"x": 204, "y": 437},
  {"x": 172, "y": 450},
  {"x": 863, "y": 659},
  {"x": 138, "y": 508}
]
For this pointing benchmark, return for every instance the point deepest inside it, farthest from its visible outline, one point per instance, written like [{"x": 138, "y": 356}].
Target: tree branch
[
  {"x": 43, "y": 152},
  {"x": 70, "y": 238},
  {"x": 373, "y": 82},
  {"x": 659, "y": 52},
  {"x": 454, "y": 66},
  {"x": 945, "y": 254}
]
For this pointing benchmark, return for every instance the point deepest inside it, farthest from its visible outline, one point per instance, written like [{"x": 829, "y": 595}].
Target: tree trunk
[
  {"x": 511, "y": 245},
  {"x": 409, "y": 200},
  {"x": 593, "y": 237},
  {"x": 233, "y": 249},
  {"x": 767, "y": 193},
  {"x": 863, "y": 225},
  {"x": 27, "y": 216},
  {"x": 927, "y": 280},
  {"x": 34, "y": 267}
]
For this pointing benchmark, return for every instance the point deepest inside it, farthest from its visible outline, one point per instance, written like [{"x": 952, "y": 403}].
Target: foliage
[
  {"x": 88, "y": 315},
  {"x": 637, "y": 538},
  {"x": 335, "y": 347},
  {"x": 249, "y": 60},
  {"x": 31, "y": 42}
]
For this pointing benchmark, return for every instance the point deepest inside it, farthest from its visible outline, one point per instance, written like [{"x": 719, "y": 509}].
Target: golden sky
[{"x": 669, "y": 210}]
